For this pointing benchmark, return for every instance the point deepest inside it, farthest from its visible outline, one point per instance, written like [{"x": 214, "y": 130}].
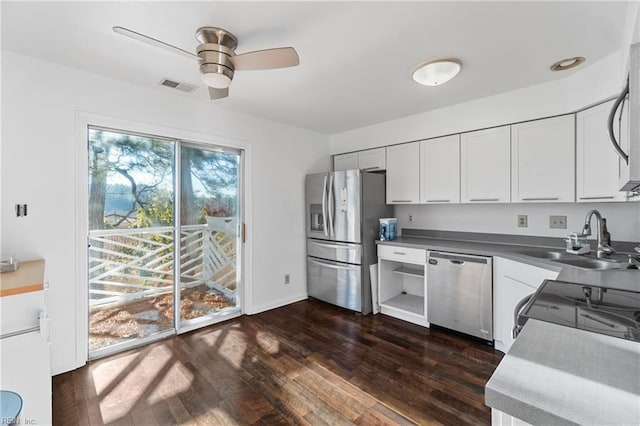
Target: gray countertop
[
  {"x": 554, "y": 374},
  {"x": 615, "y": 278}
]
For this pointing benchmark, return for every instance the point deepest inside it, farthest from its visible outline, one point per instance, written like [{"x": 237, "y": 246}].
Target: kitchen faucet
[{"x": 603, "y": 249}]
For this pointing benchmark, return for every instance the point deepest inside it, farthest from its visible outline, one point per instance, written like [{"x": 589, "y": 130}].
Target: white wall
[
  {"x": 583, "y": 88},
  {"x": 623, "y": 219},
  {"x": 39, "y": 151}
]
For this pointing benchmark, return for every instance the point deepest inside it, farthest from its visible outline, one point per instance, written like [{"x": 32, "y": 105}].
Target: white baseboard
[{"x": 278, "y": 304}]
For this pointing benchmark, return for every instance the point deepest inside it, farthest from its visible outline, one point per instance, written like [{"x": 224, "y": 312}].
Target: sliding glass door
[
  {"x": 209, "y": 233},
  {"x": 149, "y": 198}
]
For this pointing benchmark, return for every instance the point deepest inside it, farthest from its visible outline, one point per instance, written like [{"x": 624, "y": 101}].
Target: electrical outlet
[
  {"x": 522, "y": 221},
  {"x": 287, "y": 279},
  {"x": 21, "y": 210},
  {"x": 558, "y": 222},
  {"x": 410, "y": 218}
]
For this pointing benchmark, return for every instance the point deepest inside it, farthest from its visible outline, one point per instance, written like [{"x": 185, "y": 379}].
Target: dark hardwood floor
[{"x": 306, "y": 363}]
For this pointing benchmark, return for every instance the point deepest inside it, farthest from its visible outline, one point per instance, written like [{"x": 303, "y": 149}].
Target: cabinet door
[
  {"x": 512, "y": 281},
  {"x": 440, "y": 170},
  {"x": 543, "y": 161},
  {"x": 597, "y": 166},
  {"x": 345, "y": 162},
  {"x": 485, "y": 166},
  {"x": 372, "y": 159},
  {"x": 403, "y": 173}
]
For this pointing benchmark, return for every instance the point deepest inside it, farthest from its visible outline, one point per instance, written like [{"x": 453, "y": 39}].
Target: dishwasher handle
[{"x": 460, "y": 259}]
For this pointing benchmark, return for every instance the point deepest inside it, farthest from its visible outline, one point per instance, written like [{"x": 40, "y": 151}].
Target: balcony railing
[{"x": 130, "y": 264}]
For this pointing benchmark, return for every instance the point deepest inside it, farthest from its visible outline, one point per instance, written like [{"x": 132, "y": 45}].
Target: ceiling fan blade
[
  {"x": 281, "y": 57},
  {"x": 154, "y": 42},
  {"x": 218, "y": 93}
]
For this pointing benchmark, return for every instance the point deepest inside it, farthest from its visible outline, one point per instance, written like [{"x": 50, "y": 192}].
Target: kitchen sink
[
  {"x": 593, "y": 263},
  {"x": 588, "y": 263},
  {"x": 543, "y": 254}
]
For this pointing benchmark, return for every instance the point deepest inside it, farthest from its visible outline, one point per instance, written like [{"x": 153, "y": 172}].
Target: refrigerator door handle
[
  {"x": 334, "y": 245},
  {"x": 324, "y": 207},
  {"x": 332, "y": 265},
  {"x": 331, "y": 204}
]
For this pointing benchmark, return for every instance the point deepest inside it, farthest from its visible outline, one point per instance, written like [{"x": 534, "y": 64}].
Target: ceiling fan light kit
[
  {"x": 217, "y": 57},
  {"x": 436, "y": 72}
]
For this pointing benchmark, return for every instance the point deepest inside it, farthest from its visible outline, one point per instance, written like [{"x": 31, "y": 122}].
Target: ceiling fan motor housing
[
  {"x": 216, "y": 48},
  {"x": 215, "y": 58}
]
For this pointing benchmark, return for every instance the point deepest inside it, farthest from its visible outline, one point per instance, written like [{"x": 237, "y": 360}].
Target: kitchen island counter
[{"x": 560, "y": 375}]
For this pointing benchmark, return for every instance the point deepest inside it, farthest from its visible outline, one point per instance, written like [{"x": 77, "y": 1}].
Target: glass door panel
[
  {"x": 210, "y": 201},
  {"x": 131, "y": 238}
]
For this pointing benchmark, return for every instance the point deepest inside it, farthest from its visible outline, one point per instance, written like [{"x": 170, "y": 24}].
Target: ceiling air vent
[{"x": 185, "y": 87}]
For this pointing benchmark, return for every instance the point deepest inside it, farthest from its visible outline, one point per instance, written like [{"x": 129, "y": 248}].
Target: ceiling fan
[{"x": 217, "y": 57}]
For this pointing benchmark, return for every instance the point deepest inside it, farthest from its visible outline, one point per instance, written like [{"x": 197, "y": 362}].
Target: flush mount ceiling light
[
  {"x": 567, "y": 64},
  {"x": 436, "y": 72}
]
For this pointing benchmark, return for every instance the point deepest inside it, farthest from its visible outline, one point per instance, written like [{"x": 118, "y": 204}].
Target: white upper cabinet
[
  {"x": 543, "y": 161},
  {"x": 403, "y": 173},
  {"x": 440, "y": 170},
  {"x": 372, "y": 159},
  {"x": 598, "y": 167},
  {"x": 345, "y": 162},
  {"x": 369, "y": 160},
  {"x": 485, "y": 166}
]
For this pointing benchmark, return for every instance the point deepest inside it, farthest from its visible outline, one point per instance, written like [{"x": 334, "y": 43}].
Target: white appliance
[
  {"x": 343, "y": 209},
  {"x": 628, "y": 146}
]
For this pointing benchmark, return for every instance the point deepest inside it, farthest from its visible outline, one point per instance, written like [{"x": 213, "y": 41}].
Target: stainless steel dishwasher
[{"x": 460, "y": 294}]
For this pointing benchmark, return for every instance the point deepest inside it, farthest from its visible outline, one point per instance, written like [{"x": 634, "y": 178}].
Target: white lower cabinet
[
  {"x": 24, "y": 354},
  {"x": 500, "y": 418},
  {"x": 512, "y": 281},
  {"x": 402, "y": 283}
]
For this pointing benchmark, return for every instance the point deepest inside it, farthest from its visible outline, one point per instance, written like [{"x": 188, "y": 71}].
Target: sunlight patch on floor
[
  {"x": 268, "y": 342},
  {"x": 175, "y": 381}
]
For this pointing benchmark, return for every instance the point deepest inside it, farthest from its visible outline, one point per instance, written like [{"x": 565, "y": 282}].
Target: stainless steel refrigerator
[{"x": 342, "y": 211}]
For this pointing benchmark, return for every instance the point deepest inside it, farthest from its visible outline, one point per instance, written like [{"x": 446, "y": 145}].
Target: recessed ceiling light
[
  {"x": 436, "y": 72},
  {"x": 567, "y": 64}
]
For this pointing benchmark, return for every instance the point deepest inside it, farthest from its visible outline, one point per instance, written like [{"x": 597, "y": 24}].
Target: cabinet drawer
[{"x": 403, "y": 254}]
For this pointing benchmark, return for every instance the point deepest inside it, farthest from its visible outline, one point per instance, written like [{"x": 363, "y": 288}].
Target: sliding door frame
[
  {"x": 80, "y": 296},
  {"x": 177, "y": 299}
]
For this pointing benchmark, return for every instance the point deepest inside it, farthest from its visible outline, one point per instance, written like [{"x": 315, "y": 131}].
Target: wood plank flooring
[{"x": 306, "y": 363}]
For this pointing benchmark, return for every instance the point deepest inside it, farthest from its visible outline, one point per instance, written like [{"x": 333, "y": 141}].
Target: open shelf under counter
[
  {"x": 407, "y": 307},
  {"x": 407, "y": 302},
  {"x": 414, "y": 272}
]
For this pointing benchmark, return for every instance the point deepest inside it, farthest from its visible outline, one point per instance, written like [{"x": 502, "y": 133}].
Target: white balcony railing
[{"x": 130, "y": 264}]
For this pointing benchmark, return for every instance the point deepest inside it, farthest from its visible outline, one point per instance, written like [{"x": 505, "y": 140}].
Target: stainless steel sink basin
[
  {"x": 588, "y": 263},
  {"x": 560, "y": 256},
  {"x": 543, "y": 253}
]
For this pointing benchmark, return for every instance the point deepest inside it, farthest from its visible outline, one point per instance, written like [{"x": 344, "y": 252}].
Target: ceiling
[{"x": 355, "y": 57}]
